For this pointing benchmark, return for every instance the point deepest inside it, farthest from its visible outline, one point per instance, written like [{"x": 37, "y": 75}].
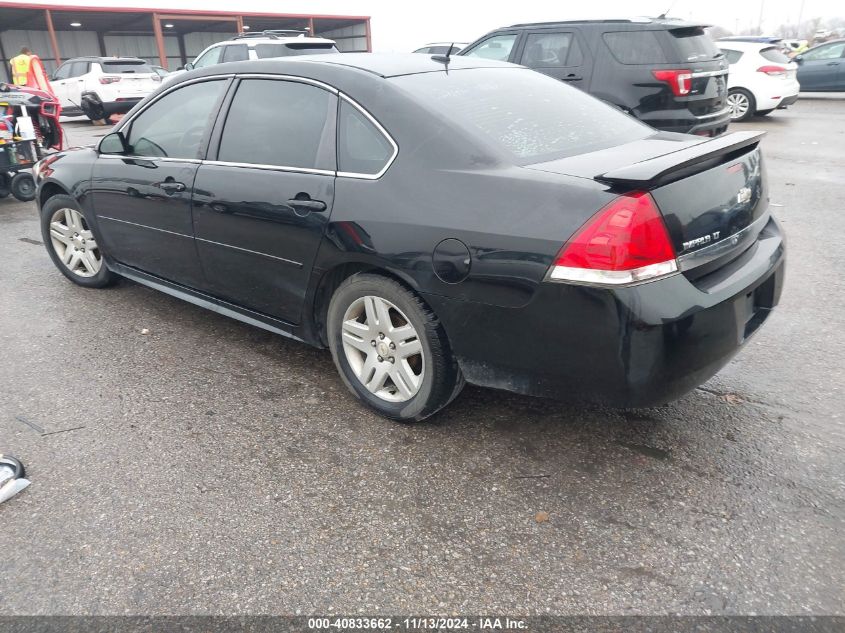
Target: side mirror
[
  {"x": 114, "y": 143},
  {"x": 189, "y": 66},
  {"x": 798, "y": 59}
]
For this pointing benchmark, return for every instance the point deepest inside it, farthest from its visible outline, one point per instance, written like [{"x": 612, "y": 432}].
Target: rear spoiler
[{"x": 662, "y": 168}]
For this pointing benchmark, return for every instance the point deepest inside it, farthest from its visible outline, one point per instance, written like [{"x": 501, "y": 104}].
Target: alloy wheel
[
  {"x": 739, "y": 105},
  {"x": 383, "y": 349},
  {"x": 74, "y": 243}
]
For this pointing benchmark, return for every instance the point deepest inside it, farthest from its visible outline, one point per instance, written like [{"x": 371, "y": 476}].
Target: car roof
[
  {"x": 105, "y": 59},
  {"x": 745, "y": 46},
  {"x": 275, "y": 40},
  {"x": 659, "y": 22},
  {"x": 387, "y": 64}
]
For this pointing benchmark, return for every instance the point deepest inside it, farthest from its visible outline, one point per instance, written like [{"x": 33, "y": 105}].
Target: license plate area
[{"x": 756, "y": 305}]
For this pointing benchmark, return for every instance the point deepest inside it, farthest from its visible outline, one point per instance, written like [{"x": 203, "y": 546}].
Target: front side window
[
  {"x": 551, "y": 50},
  {"x": 831, "y": 51},
  {"x": 235, "y": 53},
  {"x": 280, "y": 123},
  {"x": 174, "y": 126},
  {"x": 361, "y": 147},
  {"x": 62, "y": 72},
  {"x": 209, "y": 58},
  {"x": 497, "y": 47}
]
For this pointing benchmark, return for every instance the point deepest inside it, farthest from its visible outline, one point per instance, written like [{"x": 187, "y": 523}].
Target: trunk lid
[{"x": 712, "y": 193}]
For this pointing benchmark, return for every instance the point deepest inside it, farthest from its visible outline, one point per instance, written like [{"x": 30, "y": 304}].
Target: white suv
[
  {"x": 115, "y": 83},
  {"x": 263, "y": 45}
]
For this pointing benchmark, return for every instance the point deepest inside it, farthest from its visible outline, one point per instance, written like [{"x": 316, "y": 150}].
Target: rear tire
[
  {"x": 741, "y": 103},
  {"x": 23, "y": 186},
  {"x": 72, "y": 244},
  {"x": 371, "y": 317}
]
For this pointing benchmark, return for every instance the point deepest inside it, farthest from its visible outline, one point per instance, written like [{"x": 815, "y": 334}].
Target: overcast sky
[{"x": 402, "y": 25}]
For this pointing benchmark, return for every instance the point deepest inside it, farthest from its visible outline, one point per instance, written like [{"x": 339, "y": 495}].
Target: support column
[
  {"x": 57, "y": 55},
  {"x": 311, "y": 27},
  {"x": 162, "y": 53},
  {"x": 240, "y": 24},
  {"x": 369, "y": 38}
]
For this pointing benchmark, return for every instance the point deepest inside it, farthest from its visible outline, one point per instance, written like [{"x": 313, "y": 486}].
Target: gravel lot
[{"x": 211, "y": 467}]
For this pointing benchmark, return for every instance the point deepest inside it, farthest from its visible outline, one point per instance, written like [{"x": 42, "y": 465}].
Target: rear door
[
  {"x": 261, "y": 206},
  {"x": 560, "y": 54},
  {"x": 822, "y": 68},
  {"x": 142, "y": 199}
]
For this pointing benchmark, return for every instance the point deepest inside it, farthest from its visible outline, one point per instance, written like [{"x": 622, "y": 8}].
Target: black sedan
[{"x": 431, "y": 221}]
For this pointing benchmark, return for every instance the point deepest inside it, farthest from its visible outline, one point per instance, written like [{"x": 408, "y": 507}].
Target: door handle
[
  {"x": 572, "y": 77},
  {"x": 833, "y": 63},
  {"x": 171, "y": 186},
  {"x": 307, "y": 204}
]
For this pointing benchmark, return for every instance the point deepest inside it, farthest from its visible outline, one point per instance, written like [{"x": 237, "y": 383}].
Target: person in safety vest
[{"x": 27, "y": 70}]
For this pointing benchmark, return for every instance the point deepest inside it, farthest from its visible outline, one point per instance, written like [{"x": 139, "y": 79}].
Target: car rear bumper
[
  {"x": 637, "y": 346},
  {"x": 120, "y": 106},
  {"x": 682, "y": 120}
]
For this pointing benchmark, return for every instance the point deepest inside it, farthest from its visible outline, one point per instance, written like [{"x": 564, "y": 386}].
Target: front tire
[
  {"x": 72, "y": 245},
  {"x": 390, "y": 349},
  {"x": 742, "y": 104}
]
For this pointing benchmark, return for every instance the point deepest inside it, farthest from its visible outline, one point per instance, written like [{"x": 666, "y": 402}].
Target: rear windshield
[
  {"x": 694, "y": 45},
  {"x": 773, "y": 54},
  {"x": 124, "y": 66},
  {"x": 635, "y": 47},
  {"x": 263, "y": 51},
  {"x": 529, "y": 115}
]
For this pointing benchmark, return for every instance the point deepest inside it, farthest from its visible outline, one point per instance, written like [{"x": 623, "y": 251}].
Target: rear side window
[
  {"x": 497, "y": 47},
  {"x": 635, "y": 47},
  {"x": 361, "y": 147},
  {"x": 731, "y": 55},
  {"x": 525, "y": 113},
  {"x": 280, "y": 123},
  {"x": 831, "y": 51},
  {"x": 209, "y": 58},
  {"x": 693, "y": 45},
  {"x": 235, "y": 53},
  {"x": 551, "y": 50},
  {"x": 126, "y": 67},
  {"x": 174, "y": 126},
  {"x": 773, "y": 54},
  {"x": 266, "y": 51}
]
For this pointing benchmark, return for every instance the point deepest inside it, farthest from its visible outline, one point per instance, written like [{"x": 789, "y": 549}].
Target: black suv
[{"x": 665, "y": 72}]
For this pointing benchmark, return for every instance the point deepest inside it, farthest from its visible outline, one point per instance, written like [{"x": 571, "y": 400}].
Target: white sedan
[{"x": 761, "y": 79}]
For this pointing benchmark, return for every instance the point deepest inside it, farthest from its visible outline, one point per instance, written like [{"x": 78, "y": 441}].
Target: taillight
[
  {"x": 626, "y": 242},
  {"x": 680, "y": 81},
  {"x": 109, "y": 80},
  {"x": 774, "y": 71}
]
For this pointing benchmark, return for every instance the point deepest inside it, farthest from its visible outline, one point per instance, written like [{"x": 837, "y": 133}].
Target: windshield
[
  {"x": 531, "y": 116},
  {"x": 124, "y": 66}
]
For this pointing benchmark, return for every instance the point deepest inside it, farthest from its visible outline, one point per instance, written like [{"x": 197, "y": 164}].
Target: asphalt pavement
[{"x": 185, "y": 463}]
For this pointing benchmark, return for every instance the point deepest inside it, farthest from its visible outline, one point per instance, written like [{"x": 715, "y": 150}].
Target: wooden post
[
  {"x": 57, "y": 55},
  {"x": 162, "y": 53}
]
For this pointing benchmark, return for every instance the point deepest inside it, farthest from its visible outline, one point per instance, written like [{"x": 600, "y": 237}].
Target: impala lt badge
[{"x": 701, "y": 241}]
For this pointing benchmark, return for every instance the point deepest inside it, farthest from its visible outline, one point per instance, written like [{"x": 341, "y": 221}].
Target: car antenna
[
  {"x": 445, "y": 59},
  {"x": 663, "y": 15}
]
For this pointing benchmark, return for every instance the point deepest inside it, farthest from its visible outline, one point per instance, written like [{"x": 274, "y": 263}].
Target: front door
[
  {"x": 75, "y": 85},
  {"x": 823, "y": 68},
  {"x": 142, "y": 199},
  {"x": 59, "y": 84},
  {"x": 261, "y": 208}
]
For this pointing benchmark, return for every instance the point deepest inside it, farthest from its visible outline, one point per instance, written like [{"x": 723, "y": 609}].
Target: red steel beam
[
  {"x": 162, "y": 53},
  {"x": 57, "y": 55}
]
